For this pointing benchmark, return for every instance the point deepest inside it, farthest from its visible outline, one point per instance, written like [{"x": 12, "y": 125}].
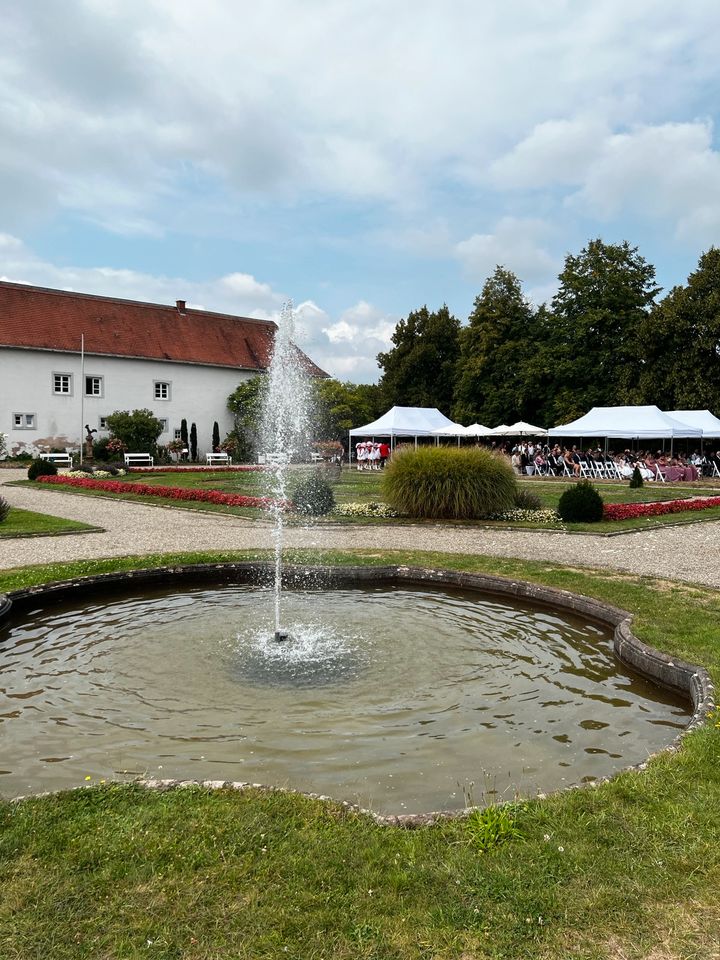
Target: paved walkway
[{"x": 689, "y": 553}]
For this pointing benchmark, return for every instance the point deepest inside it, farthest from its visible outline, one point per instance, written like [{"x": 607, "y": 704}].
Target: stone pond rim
[{"x": 687, "y": 679}]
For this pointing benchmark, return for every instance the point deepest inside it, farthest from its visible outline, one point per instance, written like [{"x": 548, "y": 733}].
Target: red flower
[
  {"x": 629, "y": 511},
  {"x": 171, "y": 493}
]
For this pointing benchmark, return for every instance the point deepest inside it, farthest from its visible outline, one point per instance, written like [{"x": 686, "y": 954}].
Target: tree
[
  {"x": 184, "y": 433},
  {"x": 605, "y": 294},
  {"x": 681, "y": 340},
  {"x": 193, "y": 443},
  {"x": 419, "y": 371},
  {"x": 138, "y": 430},
  {"x": 495, "y": 374},
  {"x": 341, "y": 406},
  {"x": 215, "y": 436},
  {"x": 245, "y": 403}
]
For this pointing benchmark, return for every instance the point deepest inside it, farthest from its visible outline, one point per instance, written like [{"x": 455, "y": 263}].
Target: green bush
[
  {"x": 527, "y": 500},
  {"x": 636, "y": 479},
  {"x": 581, "y": 503},
  {"x": 446, "y": 483},
  {"x": 138, "y": 430},
  {"x": 313, "y": 496},
  {"x": 4, "y": 509},
  {"x": 41, "y": 468}
]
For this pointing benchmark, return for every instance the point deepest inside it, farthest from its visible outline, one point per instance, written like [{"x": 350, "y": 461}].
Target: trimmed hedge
[
  {"x": 41, "y": 468},
  {"x": 445, "y": 483},
  {"x": 581, "y": 503}
]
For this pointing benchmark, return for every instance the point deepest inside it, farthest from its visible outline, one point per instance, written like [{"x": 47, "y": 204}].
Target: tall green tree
[
  {"x": 419, "y": 371},
  {"x": 605, "y": 295},
  {"x": 496, "y": 379},
  {"x": 339, "y": 406},
  {"x": 681, "y": 343}
]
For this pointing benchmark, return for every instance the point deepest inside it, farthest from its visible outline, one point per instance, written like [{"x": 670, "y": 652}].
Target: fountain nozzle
[{"x": 281, "y": 635}]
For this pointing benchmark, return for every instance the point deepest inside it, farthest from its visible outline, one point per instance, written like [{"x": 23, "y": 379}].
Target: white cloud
[
  {"x": 518, "y": 244},
  {"x": 669, "y": 172}
]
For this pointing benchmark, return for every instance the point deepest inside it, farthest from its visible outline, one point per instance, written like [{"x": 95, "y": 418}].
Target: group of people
[
  {"x": 529, "y": 458},
  {"x": 371, "y": 455}
]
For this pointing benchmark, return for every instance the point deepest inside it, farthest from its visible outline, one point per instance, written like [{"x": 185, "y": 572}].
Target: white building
[{"x": 178, "y": 362}]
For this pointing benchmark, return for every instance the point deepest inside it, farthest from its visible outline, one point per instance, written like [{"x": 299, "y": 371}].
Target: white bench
[
  {"x": 139, "y": 460},
  {"x": 218, "y": 458},
  {"x": 59, "y": 459},
  {"x": 270, "y": 458}
]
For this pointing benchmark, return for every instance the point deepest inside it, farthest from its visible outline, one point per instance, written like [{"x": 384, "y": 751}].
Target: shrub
[
  {"x": 527, "y": 500},
  {"x": 581, "y": 503},
  {"x": 448, "y": 483},
  {"x": 137, "y": 431},
  {"x": 4, "y": 509},
  {"x": 313, "y": 496},
  {"x": 636, "y": 479},
  {"x": 41, "y": 468}
]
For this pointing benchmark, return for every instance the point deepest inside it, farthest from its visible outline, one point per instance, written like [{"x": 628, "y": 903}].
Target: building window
[
  {"x": 162, "y": 390},
  {"x": 62, "y": 384},
  {"x": 24, "y": 421},
  {"x": 164, "y": 425},
  {"x": 93, "y": 386},
  {"x": 177, "y": 434},
  {"x": 102, "y": 423}
]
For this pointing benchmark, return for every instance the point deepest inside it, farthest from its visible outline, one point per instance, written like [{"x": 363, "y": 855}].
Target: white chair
[{"x": 659, "y": 475}]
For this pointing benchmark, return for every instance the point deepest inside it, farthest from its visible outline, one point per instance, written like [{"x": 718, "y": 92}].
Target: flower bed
[
  {"x": 171, "y": 493},
  {"x": 522, "y": 515},
  {"x": 372, "y": 509},
  {"x": 630, "y": 511}
]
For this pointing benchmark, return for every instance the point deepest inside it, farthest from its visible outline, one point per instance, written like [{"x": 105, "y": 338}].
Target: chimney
[{"x": 180, "y": 304}]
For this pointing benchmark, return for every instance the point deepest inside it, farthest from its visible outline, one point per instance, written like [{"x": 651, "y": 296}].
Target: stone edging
[{"x": 677, "y": 675}]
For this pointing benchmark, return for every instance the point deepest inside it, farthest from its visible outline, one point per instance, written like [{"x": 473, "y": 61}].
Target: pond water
[{"x": 403, "y": 699}]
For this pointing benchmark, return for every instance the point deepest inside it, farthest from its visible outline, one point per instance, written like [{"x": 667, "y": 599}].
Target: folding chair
[
  {"x": 659, "y": 475},
  {"x": 716, "y": 471}
]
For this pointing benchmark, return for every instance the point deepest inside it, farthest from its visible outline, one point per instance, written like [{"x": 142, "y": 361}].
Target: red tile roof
[{"x": 43, "y": 319}]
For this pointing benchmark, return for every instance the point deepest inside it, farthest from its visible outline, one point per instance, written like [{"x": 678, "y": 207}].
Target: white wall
[{"x": 197, "y": 393}]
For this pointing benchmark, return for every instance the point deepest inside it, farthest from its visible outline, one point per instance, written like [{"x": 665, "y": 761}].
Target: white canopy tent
[
  {"x": 403, "y": 422},
  {"x": 498, "y": 431},
  {"x": 477, "y": 430},
  {"x": 520, "y": 429},
  {"x": 627, "y": 423},
  {"x": 708, "y": 423},
  {"x": 454, "y": 430}
]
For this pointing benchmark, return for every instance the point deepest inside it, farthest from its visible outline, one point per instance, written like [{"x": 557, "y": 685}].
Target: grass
[
  {"x": 627, "y": 870},
  {"x": 365, "y": 486},
  {"x": 27, "y": 523}
]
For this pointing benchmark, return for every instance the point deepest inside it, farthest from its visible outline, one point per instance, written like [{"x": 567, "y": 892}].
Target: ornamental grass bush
[
  {"x": 527, "y": 500},
  {"x": 446, "y": 483},
  {"x": 41, "y": 468},
  {"x": 581, "y": 503},
  {"x": 4, "y": 509}
]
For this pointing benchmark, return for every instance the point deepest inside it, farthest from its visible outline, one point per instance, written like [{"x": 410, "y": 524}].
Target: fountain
[
  {"x": 397, "y": 690},
  {"x": 284, "y": 432}
]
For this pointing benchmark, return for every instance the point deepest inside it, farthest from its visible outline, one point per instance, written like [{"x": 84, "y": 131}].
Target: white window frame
[
  {"x": 62, "y": 393},
  {"x": 165, "y": 424},
  {"x": 101, "y": 384},
  {"x": 177, "y": 433},
  {"x": 24, "y": 425},
  {"x": 158, "y": 386},
  {"x": 102, "y": 423}
]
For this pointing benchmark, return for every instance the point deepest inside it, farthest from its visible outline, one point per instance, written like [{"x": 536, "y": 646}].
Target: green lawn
[
  {"x": 628, "y": 870},
  {"x": 26, "y": 523},
  {"x": 365, "y": 486}
]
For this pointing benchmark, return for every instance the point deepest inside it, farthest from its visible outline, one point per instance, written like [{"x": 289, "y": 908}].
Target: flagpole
[{"x": 82, "y": 392}]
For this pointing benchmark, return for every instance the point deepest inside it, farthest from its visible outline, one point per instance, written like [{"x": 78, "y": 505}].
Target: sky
[{"x": 360, "y": 157}]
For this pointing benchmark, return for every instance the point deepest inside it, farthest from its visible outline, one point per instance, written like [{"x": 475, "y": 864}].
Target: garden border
[{"x": 674, "y": 674}]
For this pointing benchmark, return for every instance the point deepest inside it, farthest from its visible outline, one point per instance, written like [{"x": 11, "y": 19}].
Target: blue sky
[{"x": 361, "y": 157}]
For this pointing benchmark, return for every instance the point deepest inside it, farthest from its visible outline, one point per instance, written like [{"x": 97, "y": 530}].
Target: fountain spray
[{"x": 285, "y": 424}]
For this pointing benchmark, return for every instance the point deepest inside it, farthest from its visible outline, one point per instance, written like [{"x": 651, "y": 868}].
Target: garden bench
[
  {"x": 59, "y": 459},
  {"x": 139, "y": 460},
  {"x": 218, "y": 458},
  {"x": 270, "y": 458}
]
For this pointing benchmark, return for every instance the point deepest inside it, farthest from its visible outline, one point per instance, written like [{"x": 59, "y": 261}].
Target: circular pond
[{"x": 400, "y": 698}]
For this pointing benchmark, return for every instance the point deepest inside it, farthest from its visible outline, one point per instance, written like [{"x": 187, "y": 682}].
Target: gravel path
[{"x": 689, "y": 553}]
